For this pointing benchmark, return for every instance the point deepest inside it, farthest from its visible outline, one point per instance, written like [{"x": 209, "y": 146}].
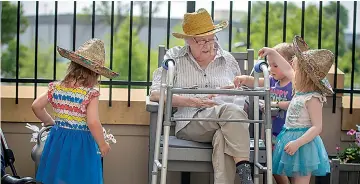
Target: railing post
[
  {"x": 0, "y": 19},
  {"x": 185, "y": 176},
  {"x": 190, "y": 6}
]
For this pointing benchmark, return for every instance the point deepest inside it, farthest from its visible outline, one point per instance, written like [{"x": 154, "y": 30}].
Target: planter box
[{"x": 348, "y": 173}]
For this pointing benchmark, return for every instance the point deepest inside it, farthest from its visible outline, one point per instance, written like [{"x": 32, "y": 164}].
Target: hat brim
[
  {"x": 306, "y": 63},
  {"x": 218, "y": 27},
  {"x": 83, "y": 61}
]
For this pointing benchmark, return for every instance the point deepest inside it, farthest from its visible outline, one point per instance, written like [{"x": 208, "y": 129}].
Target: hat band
[{"x": 207, "y": 31}]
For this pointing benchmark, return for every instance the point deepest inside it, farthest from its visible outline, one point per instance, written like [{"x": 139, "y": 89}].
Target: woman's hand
[
  {"x": 241, "y": 80},
  {"x": 202, "y": 102},
  {"x": 228, "y": 87},
  {"x": 224, "y": 87}
]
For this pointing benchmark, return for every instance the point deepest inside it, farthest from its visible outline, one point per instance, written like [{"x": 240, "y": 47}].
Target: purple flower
[
  {"x": 337, "y": 148},
  {"x": 351, "y": 132}
]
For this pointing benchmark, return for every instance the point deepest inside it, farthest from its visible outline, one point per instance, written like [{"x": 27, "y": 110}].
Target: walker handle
[{"x": 164, "y": 64}]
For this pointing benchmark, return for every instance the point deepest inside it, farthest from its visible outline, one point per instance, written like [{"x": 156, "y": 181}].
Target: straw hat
[
  {"x": 199, "y": 24},
  {"x": 91, "y": 55},
  {"x": 316, "y": 63}
]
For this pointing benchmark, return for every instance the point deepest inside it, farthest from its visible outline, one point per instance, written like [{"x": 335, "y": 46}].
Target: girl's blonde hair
[
  {"x": 302, "y": 81},
  {"x": 80, "y": 75},
  {"x": 286, "y": 50}
]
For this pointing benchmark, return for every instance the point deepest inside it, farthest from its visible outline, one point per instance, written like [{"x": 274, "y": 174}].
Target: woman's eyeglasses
[{"x": 204, "y": 42}]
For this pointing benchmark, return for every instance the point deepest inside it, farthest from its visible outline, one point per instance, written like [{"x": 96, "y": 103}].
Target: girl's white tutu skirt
[{"x": 309, "y": 159}]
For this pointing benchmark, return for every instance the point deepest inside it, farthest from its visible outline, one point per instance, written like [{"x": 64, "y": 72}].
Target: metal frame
[
  {"x": 199, "y": 155},
  {"x": 167, "y": 84}
]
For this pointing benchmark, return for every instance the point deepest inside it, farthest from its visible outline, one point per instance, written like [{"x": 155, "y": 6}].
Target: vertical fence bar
[
  {"x": 130, "y": 50},
  {"x": 266, "y": 23},
  {"x": 74, "y": 27},
  {"x": 36, "y": 47},
  {"x": 55, "y": 38},
  {"x": 190, "y": 6},
  {"x": 336, "y": 52},
  {"x": 248, "y": 26},
  {"x": 185, "y": 176},
  {"x": 353, "y": 58},
  {"x": 149, "y": 49},
  {"x": 212, "y": 9},
  {"x": 230, "y": 24},
  {"x": 168, "y": 26},
  {"x": 93, "y": 21},
  {"x": 320, "y": 23},
  {"x": 303, "y": 19},
  {"x": 285, "y": 18},
  {"x": 17, "y": 51},
  {"x": 111, "y": 48}
]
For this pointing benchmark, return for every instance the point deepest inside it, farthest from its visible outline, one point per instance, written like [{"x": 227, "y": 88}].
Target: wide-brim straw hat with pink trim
[
  {"x": 91, "y": 55},
  {"x": 199, "y": 24},
  {"x": 316, "y": 63}
]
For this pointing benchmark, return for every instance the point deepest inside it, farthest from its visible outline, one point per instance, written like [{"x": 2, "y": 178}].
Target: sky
[{"x": 178, "y": 8}]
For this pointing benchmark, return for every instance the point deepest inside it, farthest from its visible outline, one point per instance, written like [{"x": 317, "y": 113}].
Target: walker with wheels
[{"x": 167, "y": 88}]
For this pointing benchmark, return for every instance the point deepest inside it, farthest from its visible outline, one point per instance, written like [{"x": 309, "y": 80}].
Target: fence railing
[{"x": 190, "y": 8}]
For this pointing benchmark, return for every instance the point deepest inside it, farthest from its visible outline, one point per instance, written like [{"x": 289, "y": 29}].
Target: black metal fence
[{"x": 190, "y": 8}]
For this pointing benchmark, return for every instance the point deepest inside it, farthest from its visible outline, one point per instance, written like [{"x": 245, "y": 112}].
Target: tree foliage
[
  {"x": 9, "y": 21},
  {"x": 26, "y": 55},
  {"x": 139, "y": 54},
  {"x": 293, "y": 27}
]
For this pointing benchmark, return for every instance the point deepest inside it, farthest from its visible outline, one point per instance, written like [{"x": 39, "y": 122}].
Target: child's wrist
[
  {"x": 102, "y": 144},
  {"x": 275, "y": 104},
  {"x": 298, "y": 142},
  {"x": 248, "y": 80},
  {"x": 279, "y": 105}
]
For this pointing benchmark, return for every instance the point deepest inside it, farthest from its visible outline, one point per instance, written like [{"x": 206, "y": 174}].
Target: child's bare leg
[
  {"x": 301, "y": 180},
  {"x": 281, "y": 179}
]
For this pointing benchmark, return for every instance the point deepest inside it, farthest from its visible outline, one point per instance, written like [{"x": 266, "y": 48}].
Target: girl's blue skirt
[
  {"x": 309, "y": 159},
  {"x": 70, "y": 157}
]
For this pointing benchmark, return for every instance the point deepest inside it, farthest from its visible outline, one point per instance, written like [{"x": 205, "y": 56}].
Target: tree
[
  {"x": 121, "y": 12},
  {"x": 345, "y": 65},
  {"x": 9, "y": 21},
  {"x": 176, "y": 41},
  {"x": 8, "y": 33},
  {"x": 138, "y": 57},
  {"x": 26, "y": 55},
  {"x": 27, "y": 60},
  {"x": 293, "y": 27},
  {"x": 122, "y": 35}
]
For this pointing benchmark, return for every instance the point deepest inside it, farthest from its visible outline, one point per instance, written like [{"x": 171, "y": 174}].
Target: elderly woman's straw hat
[
  {"x": 316, "y": 63},
  {"x": 91, "y": 55},
  {"x": 199, "y": 24}
]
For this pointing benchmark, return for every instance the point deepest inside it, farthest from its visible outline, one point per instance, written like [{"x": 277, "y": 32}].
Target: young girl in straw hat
[
  {"x": 299, "y": 151},
  {"x": 73, "y": 149},
  {"x": 281, "y": 92}
]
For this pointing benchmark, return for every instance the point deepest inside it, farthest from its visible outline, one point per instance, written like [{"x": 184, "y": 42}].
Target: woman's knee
[{"x": 232, "y": 111}]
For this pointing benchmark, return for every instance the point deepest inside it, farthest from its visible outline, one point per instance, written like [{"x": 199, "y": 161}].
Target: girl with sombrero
[
  {"x": 73, "y": 150},
  {"x": 299, "y": 151}
]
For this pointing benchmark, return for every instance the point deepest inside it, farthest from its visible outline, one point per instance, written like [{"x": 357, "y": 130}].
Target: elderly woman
[{"x": 202, "y": 62}]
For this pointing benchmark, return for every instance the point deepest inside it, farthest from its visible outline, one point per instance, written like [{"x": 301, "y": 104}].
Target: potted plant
[{"x": 346, "y": 166}]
